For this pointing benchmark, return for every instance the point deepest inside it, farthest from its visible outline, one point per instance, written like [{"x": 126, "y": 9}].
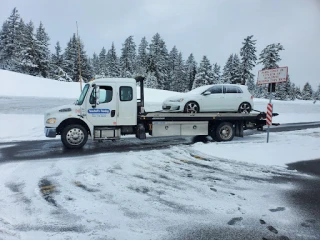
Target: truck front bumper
[{"x": 50, "y": 132}]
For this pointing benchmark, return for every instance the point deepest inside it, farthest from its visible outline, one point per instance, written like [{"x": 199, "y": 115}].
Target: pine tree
[
  {"x": 248, "y": 60},
  {"x": 307, "y": 92},
  {"x": 71, "y": 61},
  {"x": 57, "y": 64},
  {"x": 260, "y": 92},
  {"x": 128, "y": 58},
  {"x": 204, "y": 75},
  {"x": 42, "y": 51},
  {"x": 251, "y": 86},
  {"x": 57, "y": 57},
  {"x": 298, "y": 93},
  {"x": 236, "y": 71},
  {"x": 113, "y": 62},
  {"x": 158, "y": 61},
  {"x": 151, "y": 81},
  {"x": 292, "y": 92},
  {"x": 142, "y": 58},
  {"x": 281, "y": 91},
  {"x": 216, "y": 74},
  {"x": 317, "y": 93},
  {"x": 103, "y": 68},
  {"x": 86, "y": 70},
  {"x": 9, "y": 50},
  {"x": 179, "y": 83},
  {"x": 96, "y": 66},
  {"x": 227, "y": 70},
  {"x": 269, "y": 57},
  {"x": 191, "y": 71},
  {"x": 172, "y": 65},
  {"x": 28, "y": 55}
]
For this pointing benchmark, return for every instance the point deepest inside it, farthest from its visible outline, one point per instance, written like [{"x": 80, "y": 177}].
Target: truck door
[
  {"x": 104, "y": 114},
  {"x": 127, "y": 105}
]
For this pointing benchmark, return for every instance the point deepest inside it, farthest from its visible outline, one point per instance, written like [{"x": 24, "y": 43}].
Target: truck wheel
[
  {"x": 224, "y": 132},
  {"x": 74, "y": 136}
]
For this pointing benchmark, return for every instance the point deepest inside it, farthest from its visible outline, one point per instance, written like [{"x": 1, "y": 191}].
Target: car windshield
[
  {"x": 83, "y": 94},
  {"x": 199, "y": 90}
]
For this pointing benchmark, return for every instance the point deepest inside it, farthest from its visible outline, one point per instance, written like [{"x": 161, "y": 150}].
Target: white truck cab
[{"x": 102, "y": 103}]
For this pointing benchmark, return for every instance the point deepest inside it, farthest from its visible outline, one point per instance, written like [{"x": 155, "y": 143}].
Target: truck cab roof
[{"x": 113, "y": 80}]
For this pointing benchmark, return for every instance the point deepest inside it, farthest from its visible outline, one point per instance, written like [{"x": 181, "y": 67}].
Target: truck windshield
[{"x": 83, "y": 94}]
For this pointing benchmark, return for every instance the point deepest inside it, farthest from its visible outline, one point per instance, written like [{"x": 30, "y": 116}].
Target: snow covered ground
[{"x": 159, "y": 194}]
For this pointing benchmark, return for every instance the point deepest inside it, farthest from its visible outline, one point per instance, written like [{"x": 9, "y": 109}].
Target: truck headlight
[{"x": 51, "y": 120}]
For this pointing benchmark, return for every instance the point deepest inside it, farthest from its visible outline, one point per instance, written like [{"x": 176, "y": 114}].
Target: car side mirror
[{"x": 206, "y": 93}]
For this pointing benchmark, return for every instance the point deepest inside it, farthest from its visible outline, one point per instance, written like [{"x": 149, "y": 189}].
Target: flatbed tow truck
[{"x": 109, "y": 108}]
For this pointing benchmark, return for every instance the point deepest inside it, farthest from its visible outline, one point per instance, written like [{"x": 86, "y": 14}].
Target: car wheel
[
  {"x": 74, "y": 136},
  {"x": 244, "y": 108},
  {"x": 224, "y": 132},
  {"x": 191, "y": 107}
]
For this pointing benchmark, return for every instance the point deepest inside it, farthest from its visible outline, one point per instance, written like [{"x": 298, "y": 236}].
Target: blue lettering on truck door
[{"x": 99, "y": 112}]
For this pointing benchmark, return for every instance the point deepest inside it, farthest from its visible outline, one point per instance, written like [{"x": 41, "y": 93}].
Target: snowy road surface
[
  {"x": 177, "y": 193},
  {"x": 31, "y": 150}
]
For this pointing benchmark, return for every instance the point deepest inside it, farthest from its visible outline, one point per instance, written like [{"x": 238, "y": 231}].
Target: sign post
[{"x": 271, "y": 77}]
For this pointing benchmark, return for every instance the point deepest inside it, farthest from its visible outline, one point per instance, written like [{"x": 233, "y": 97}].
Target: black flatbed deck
[{"x": 176, "y": 116}]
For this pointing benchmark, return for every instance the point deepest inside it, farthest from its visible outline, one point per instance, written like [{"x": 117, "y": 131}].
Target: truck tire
[
  {"x": 224, "y": 132},
  {"x": 74, "y": 136}
]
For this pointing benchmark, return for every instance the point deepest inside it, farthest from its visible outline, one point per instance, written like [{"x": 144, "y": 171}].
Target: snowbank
[
  {"x": 283, "y": 148},
  {"x": 21, "y": 85}
]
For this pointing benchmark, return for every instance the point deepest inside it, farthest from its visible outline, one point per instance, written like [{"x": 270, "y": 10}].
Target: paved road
[
  {"x": 303, "y": 194},
  {"x": 32, "y": 150}
]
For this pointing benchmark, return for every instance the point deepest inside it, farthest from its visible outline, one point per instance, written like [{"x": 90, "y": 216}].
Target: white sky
[{"x": 215, "y": 28}]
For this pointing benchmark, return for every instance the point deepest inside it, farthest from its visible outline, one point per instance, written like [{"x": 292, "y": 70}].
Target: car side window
[
  {"x": 215, "y": 89},
  {"x": 239, "y": 90},
  {"x": 126, "y": 94},
  {"x": 231, "y": 89},
  {"x": 106, "y": 93}
]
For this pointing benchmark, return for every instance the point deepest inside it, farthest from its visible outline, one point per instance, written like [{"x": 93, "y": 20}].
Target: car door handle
[{"x": 113, "y": 113}]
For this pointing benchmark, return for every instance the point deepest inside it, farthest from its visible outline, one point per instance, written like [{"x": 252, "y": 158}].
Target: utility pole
[{"x": 79, "y": 60}]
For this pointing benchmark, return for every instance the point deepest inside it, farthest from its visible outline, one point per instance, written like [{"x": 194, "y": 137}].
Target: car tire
[
  {"x": 191, "y": 107},
  {"x": 245, "y": 107},
  {"x": 224, "y": 132},
  {"x": 74, "y": 136}
]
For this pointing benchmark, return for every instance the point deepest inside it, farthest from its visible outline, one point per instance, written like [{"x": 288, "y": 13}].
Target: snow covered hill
[{"x": 31, "y": 96}]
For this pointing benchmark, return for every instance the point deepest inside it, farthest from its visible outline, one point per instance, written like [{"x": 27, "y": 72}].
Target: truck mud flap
[
  {"x": 141, "y": 132},
  {"x": 239, "y": 129}
]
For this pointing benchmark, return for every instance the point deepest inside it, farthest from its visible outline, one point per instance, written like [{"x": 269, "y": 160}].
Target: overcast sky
[{"x": 215, "y": 28}]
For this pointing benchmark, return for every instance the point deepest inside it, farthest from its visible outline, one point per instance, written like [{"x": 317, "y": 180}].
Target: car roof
[{"x": 224, "y": 84}]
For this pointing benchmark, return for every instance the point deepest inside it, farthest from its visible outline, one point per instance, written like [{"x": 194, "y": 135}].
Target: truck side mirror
[
  {"x": 94, "y": 98},
  {"x": 97, "y": 90}
]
